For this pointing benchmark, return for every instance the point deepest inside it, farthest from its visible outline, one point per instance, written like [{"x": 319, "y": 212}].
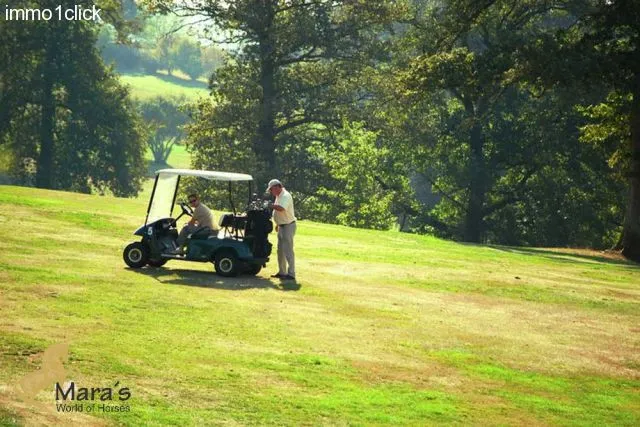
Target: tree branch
[
  {"x": 512, "y": 197},
  {"x": 305, "y": 120},
  {"x": 305, "y": 57},
  {"x": 444, "y": 193},
  {"x": 298, "y": 5}
]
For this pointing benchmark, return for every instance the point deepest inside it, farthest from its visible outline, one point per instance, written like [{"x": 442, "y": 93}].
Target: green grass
[
  {"x": 179, "y": 159},
  {"x": 144, "y": 87},
  {"x": 386, "y": 328}
]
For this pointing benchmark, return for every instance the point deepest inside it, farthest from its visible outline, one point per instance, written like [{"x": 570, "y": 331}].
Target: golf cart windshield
[{"x": 165, "y": 189}]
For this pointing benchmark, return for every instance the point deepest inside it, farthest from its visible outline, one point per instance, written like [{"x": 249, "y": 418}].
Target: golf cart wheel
[
  {"x": 226, "y": 264},
  {"x": 157, "y": 262},
  {"x": 135, "y": 255},
  {"x": 254, "y": 269}
]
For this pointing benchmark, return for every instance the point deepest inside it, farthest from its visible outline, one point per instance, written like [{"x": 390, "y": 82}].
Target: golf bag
[{"x": 258, "y": 227}]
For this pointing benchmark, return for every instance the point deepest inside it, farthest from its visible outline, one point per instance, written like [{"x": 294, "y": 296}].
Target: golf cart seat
[
  {"x": 201, "y": 234},
  {"x": 233, "y": 225},
  {"x": 226, "y": 221}
]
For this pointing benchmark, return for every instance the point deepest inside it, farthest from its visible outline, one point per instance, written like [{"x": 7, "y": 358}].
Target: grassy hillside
[
  {"x": 148, "y": 86},
  {"x": 179, "y": 157},
  {"x": 386, "y": 328}
]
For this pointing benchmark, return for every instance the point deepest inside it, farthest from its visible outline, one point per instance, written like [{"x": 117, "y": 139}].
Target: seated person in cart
[{"x": 202, "y": 218}]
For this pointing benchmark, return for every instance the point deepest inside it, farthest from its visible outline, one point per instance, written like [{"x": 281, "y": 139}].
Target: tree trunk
[
  {"x": 44, "y": 173},
  {"x": 474, "y": 221},
  {"x": 264, "y": 145},
  {"x": 5, "y": 108},
  {"x": 631, "y": 232}
]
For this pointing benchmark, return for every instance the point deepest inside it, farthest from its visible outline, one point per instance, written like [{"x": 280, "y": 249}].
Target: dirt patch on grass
[
  {"x": 528, "y": 333},
  {"x": 422, "y": 376},
  {"x": 44, "y": 414},
  {"x": 624, "y": 295}
]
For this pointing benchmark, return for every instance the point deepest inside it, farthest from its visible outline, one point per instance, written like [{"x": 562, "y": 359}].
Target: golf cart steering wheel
[{"x": 186, "y": 209}]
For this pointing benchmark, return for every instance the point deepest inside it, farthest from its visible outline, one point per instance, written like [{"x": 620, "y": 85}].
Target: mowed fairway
[
  {"x": 144, "y": 87},
  {"x": 386, "y": 328}
]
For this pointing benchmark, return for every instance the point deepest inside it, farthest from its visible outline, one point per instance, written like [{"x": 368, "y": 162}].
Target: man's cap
[{"x": 272, "y": 183}]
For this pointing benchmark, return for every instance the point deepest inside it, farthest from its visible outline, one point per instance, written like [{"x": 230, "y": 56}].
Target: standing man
[{"x": 285, "y": 220}]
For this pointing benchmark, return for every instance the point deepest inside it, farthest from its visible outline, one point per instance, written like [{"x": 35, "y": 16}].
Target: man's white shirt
[{"x": 286, "y": 216}]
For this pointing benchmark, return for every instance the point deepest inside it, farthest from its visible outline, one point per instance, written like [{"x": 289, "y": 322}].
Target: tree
[
  {"x": 59, "y": 83},
  {"x": 125, "y": 57},
  {"x": 157, "y": 41},
  {"x": 185, "y": 54},
  {"x": 165, "y": 120},
  {"x": 212, "y": 58},
  {"x": 472, "y": 52},
  {"x": 293, "y": 55},
  {"x": 358, "y": 192},
  {"x": 602, "y": 47}
]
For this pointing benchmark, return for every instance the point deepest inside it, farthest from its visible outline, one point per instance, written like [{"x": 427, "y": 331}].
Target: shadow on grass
[
  {"x": 211, "y": 280},
  {"x": 181, "y": 82},
  {"x": 566, "y": 256}
]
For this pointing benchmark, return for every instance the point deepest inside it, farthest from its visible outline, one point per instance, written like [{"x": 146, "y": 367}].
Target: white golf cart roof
[
  {"x": 212, "y": 175},
  {"x": 165, "y": 188}
]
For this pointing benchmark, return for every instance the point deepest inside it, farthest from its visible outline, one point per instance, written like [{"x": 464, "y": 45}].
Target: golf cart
[{"x": 241, "y": 244}]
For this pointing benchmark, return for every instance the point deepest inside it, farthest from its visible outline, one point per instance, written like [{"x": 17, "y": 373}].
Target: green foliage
[
  {"x": 486, "y": 121},
  {"x": 213, "y": 141},
  {"x": 164, "y": 119},
  {"x": 355, "y": 192},
  {"x": 185, "y": 54},
  {"x": 472, "y": 58},
  {"x": 211, "y": 59},
  {"x": 608, "y": 129},
  {"x": 278, "y": 101},
  {"x": 63, "y": 109},
  {"x": 102, "y": 146},
  {"x": 599, "y": 48},
  {"x": 157, "y": 42},
  {"x": 148, "y": 62},
  {"x": 160, "y": 43},
  {"x": 291, "y": 75},
  {"x": 494, "y": 149}
]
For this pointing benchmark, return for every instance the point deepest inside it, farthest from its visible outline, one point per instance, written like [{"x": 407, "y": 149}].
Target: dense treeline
[
  {"x": 502, "y": 121},
  {"x": 493, "y": 121},
  {"x": 68, "y": 121},
  {"x": 65, "y": 120},
  {"x": 161, "y": 43}
]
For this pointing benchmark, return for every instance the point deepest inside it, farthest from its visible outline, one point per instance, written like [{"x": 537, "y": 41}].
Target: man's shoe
[
  {"x": 288, "y": 277},
  {"x": 278, "y": 276}
]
